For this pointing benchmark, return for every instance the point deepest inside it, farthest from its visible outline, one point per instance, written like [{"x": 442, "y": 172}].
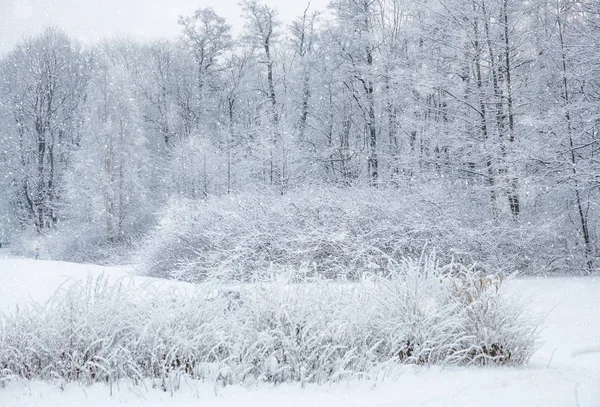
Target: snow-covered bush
[
  {"x": 497, "y": 332},
  {"x": 420, "y": 313},
  {"x": 451, "y": 315},
  {"x": 79, "y": 242},
  {"x": 328, "y": 233}
]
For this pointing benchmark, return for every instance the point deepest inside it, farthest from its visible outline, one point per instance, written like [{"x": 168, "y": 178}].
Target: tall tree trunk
[
  {"x": 373, "y": 163},
  {"x": 513, "y": 193},
  {"x": 583, "y": 219},
  {"x": 483, "y": 123}
]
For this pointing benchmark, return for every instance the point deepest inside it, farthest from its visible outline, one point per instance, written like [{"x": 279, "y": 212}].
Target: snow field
[{"x": 572, "y": 324}]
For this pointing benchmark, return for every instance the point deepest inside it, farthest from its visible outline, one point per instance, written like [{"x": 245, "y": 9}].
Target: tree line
[{"x": 494, "y": 101}]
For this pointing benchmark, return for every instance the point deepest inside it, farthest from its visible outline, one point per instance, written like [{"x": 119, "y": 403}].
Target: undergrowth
[{"x": 331, "y": 234}]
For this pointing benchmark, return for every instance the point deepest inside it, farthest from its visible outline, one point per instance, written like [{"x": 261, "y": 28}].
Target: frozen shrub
[
  {"x": 496, "y": 328},
  {"x": 327, "y": 234},
  {"x": 451, "y": 315}
]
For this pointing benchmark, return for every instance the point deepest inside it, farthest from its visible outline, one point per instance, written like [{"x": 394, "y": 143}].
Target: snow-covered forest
[{"x": 374, "y": 128}]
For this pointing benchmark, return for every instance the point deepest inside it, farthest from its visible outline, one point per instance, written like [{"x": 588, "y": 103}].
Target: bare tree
[
  {"x": 45, "y": 80},
  {"x": 208, "y": 37}
]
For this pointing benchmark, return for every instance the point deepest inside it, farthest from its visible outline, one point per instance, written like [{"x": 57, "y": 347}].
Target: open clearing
[{"x": 565, "y": 371}]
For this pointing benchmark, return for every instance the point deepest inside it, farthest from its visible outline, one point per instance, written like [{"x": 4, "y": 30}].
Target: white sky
[{"x": 89, "y": 20}]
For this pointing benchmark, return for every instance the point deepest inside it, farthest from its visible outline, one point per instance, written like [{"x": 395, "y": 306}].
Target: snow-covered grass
[
  {"x": 553, "y": 377},
  {"x": 421, "y": 313}
]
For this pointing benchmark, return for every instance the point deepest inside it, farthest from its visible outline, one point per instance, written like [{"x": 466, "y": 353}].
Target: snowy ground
[{"x": 564, "y": 372}]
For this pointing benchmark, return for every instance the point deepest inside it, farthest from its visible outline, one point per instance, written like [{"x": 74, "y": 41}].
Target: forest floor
[{"x": 565, "y": 371}]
